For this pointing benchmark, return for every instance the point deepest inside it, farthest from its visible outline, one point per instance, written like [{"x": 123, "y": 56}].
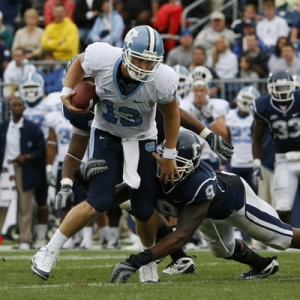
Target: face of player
[
  {"x": 140, "y": 63},
  {"x": 200, "y": 93}
]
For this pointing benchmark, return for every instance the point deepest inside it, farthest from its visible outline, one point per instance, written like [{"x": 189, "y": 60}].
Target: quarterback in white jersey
[
  {"x": 209, "y": 111},
  {"x": 130, "y": 83},
  {"x": 239, "y": 122}
]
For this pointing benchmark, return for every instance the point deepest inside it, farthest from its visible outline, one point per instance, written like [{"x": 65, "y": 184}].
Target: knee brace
[{"x": 239, "y": 254}]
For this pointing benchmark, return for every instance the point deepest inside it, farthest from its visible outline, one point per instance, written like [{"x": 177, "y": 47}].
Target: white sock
[
  {"x": 114, "y": 232},
  {"x": 103, "y": 231},
  {"x": 57, "y": 241},
  {"x": 87, "y": 237},
  {"x": 41, "y": 231}
]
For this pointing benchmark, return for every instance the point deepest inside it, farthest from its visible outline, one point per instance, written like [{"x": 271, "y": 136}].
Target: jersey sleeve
[
  {"x": 256, "y": 109},
  {"x": 166, "y": 83},
  {"x": 97, "y": 55},
  {"x": 220, "y": 108},
  {"x": 50, "y": 119}
]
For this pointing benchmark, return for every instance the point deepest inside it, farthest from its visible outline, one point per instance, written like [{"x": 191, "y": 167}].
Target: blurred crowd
[{"x": 40, "y": 37}]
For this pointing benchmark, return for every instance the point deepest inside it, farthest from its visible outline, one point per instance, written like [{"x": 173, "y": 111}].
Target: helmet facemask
[{"x": 281, "y": 90}]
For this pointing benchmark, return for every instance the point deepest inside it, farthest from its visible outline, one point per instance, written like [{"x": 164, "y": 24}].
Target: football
[{"x": 85, "y": 97}]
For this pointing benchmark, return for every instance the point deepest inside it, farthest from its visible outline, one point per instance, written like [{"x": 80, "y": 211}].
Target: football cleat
[
  {"x": 43, "y": 262},
  {"x": 183, "y": 265},
  {"x": 271, "y": 269},
  {"x": 148, "y": 273}
]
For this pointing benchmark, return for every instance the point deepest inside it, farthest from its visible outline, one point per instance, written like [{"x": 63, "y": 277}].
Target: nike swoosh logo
[
  {"x": 296, "y": 114},
  {"x": 180, "y": 268},
  {"x": 102, "y": 137},
  {"x": 137, "y": 101}
]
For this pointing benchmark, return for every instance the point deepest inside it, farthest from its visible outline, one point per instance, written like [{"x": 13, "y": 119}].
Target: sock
[
  {"x": 41, "y": 231},
  {"x": 87, "y": 237},
  {"x": 114, "y": 233},
  {"x": 103, "y": 231},
  {"x": 57, "y": 241},
  {"x": 258, "y": 262}
]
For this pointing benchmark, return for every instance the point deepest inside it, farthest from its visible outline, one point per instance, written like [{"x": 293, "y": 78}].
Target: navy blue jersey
[
  {"x": 80, "y": 121},
  {"x": 283, "y": 125},
  {"x": 224, "y": 190}
]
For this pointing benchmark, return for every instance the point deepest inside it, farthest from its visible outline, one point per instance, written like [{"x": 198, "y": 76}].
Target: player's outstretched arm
[
  {"x": 189, "y": 220},
  {"x": 223, "y": 149}
]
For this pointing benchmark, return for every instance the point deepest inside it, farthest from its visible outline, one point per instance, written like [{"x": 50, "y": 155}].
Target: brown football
[{"x": 85, "y": 97}]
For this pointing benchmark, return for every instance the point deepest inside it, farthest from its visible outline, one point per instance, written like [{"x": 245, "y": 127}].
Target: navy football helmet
[
  {"x": 184, "y": 84},
  {"x": 143, "y": 42},
  {"x": 245, "y": 97},
  {"x": 188, "y": 153},
  {"x": 31, "y": 87},
  {"x": 281, "y": 86}
]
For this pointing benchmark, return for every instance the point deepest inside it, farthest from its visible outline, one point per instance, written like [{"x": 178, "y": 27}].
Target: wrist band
[
  {"x": 48, "y": 168},
  {"x": 66, "y": 91},
  {"x": 169, "y": 153},
  {"x": 66, "y": 181},
  {"x": 205, "y": 132},
  {"x": 257, "y": 162}
]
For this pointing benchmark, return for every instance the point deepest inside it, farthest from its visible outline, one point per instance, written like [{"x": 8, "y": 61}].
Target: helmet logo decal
[{"x": 133, "y": 33}]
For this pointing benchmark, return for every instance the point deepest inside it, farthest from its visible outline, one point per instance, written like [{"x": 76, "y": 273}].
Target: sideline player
[
  {"x": 217, "y": 202},
  {"x": 280, "y": 112}
]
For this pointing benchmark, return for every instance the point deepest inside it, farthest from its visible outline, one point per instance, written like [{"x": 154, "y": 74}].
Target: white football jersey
[
  {"x": 38, "y": 112},
  {"x": 241, "y": 139},
  {"x": 220, "y": 108},
  {"x": 63, "y": 131},
  {"x": 131, "y": 116}
]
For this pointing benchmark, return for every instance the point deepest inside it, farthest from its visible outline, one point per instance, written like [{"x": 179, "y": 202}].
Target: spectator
[
  {"x": 14, "y": 71},
  {"x": 248, "y": 70},
  {"x": 6, "y": 36},
  {"x": 199, "y": 60},
  {"x": 108, "y": 27},
  {"x": 168, "y": 20},
  {"x": 61, "y": 36},
  {"x": 241, "y": 45},
  {"x": 276, "y": 57},
  {"x": 29, "y": 37},
  {"x": 208, "y": 36},
  {"x": 249, "y": 16},
  {"x": 271, "y": 27},
  {"x": 140, "y": 12},
  {"x": 290, "y": 62},
  {"x": 259, "y": 56},
  {"x": 85, "y": 15},
  {"x": 9, "y": 9},
  {"x": 295, "y": 32},
  {"x": 22, "y": 144},
  {"x": 182, "y": 54},
  {"x": 52, "y": 73},
  {"x": 4, "y": 59},
  {"x": 49, "y": 9},
  {"x": 222, "y": 60}
]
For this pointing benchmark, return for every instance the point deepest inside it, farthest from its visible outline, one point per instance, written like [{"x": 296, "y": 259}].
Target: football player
[
  {"x": 217, "y": 202},
  {"x": 239, "y": 122},
  {"x": 184, "y": 84},
  {"x": 131, "y": 83},
  {"x": 209, "y": 111},
  {"x": 280, "y": 112},
  {"x": 31, "y": 90}
]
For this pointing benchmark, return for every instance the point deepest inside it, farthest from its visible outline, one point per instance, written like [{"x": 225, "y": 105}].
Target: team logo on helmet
[{"x": 133, "y": 33}]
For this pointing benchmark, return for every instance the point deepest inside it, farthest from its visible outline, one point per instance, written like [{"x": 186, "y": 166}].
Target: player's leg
[
  {"x": 100, "y": 198},
  {"x": 285, "y": 187}
]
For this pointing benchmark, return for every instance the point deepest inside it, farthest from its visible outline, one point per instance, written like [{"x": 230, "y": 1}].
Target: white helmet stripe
[{"x": 151, "y": 39}]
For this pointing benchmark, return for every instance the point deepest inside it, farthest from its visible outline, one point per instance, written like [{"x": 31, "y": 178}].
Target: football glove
[
  {"x": 216, "y": 143},
  {"x": 256, "y": 172},
  {"x": 65, "y": 193},
  {"x": 126, "y": 268}
]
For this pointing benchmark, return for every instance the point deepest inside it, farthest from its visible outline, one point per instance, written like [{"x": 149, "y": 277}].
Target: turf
[{"x": 86, "y": 274}]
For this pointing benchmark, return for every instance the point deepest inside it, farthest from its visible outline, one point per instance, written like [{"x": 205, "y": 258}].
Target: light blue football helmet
[
  {"x": 31, "y": 87},
  {"x": 143, "y": 42},
  {"x": 245, "y": 97},
  {"x": 184, "y": 84}
]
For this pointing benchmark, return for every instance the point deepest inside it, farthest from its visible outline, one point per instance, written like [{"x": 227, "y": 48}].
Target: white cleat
[
  {"x": 43, "y": 262},
  {"x": 148, "y": 273},
  {"x": 183, "y": 265}
]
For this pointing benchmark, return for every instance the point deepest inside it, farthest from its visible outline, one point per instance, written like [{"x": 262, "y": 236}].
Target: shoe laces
[{"x": 50, "y": 259}]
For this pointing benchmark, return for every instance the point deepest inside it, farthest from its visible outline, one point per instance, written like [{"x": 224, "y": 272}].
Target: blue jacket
[
  {"x": 115, "y": 37},
  {"x": 32, "y": 141}
]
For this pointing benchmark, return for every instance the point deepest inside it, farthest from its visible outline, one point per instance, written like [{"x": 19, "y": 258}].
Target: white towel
[
  {"x": 8, "y": 190},
  {"x": 131, "y": 160}
]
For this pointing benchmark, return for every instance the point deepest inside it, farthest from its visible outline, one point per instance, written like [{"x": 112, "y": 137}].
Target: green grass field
[{"x": 86, "y": 274}]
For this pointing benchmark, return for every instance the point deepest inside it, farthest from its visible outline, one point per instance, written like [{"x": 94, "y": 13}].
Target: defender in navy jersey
[
  {"x": 280, "y": 112},
  {"x": 218, "y": 202}
]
